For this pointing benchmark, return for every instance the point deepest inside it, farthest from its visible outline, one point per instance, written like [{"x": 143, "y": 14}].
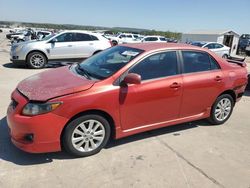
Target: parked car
[
  {"x": 171, "y": 40},
  {"x": 123, "y": 38},
  {"x": 148, "y": 39},
  {"x": 124, "y": 90},
  {"x": 244, "y": 42},
  {"x": 219, "y": 49},
  {"x": 65, "y": 45},
  {"x": 12, "y": 34},
  {"x": 42, "y": 34}
]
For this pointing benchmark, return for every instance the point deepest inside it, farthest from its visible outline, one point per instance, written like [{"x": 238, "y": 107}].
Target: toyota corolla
[{"x": 122, "y": 91}]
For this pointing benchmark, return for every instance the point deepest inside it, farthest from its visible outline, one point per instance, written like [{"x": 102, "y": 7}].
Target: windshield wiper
[{"x": 86, "y": 73}]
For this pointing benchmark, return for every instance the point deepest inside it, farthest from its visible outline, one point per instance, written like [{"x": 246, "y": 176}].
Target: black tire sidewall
[
  {"x": 212, "y": 118},
  {"x": 225, "y": 56},
  {"x": 66, "y": 138},
  {"x": 30, "y": 65}
]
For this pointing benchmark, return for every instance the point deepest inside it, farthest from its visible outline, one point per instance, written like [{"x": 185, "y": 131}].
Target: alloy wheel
[
  {"x": 88, "y": 135},
  {"x": 37, "y": 60},
  {"x": 223, "y": 109}
]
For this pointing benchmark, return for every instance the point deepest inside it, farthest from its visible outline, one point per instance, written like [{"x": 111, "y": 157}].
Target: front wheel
[
  {"x": 222, "y": 109},
  {"x": 86, "y": 135},
  {"x": 36, "y": 60}
]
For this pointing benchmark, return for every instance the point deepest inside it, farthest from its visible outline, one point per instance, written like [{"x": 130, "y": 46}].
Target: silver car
[{"x": 65, "y": 45}]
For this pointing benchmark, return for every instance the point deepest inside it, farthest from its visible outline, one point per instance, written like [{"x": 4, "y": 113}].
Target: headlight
[{"x": 32, "y": 109}]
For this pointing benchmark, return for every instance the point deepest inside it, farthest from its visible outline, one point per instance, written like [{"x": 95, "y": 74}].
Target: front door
[
  {"x": 63, "y": 48},
  {"x": 157, "y": 99}
]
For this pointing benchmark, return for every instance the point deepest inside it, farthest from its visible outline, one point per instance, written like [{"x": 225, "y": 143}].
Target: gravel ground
[{"x": 188, "y": 155}]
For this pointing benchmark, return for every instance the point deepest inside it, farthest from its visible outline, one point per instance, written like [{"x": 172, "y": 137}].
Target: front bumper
[
  {"x": 17, "y": 56},
  {"x": 45, "y": 129}
]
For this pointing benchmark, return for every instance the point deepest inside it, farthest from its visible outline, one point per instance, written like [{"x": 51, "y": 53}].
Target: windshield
[
  {"x": 200, "y": 44},
  {"x": 106, "y": 63},
  {"x": 48, "y": 37}
]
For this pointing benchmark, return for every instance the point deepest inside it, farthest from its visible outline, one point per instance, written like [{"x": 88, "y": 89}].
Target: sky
[{"x": 165, "y": 15}]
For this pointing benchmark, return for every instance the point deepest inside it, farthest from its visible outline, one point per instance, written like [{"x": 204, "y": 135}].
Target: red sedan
[{"x": 122, "y": 91}]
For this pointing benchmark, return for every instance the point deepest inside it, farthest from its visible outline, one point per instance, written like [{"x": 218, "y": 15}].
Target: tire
[
  {"x": 225, "y": 56},
  {"x": 114, "y": 42},
  {"x": 96, "y": 52},
  {"x": 36, "y": 60},
  {"x": 83, "y": 133},
  {"x": 215, "y": 117}
]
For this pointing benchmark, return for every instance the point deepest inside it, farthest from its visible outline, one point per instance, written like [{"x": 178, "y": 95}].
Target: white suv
[
  {"x": 154, "y": 38},
  {"x": 124, "y": 38},
  {"x": 65, "y": 45}
]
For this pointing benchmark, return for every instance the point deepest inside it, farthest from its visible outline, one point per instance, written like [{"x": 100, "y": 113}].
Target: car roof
[
  {"x": 162, "y": 46},
  {"x": 82, "y": 31},
  {"x": 154, "y": 36}
]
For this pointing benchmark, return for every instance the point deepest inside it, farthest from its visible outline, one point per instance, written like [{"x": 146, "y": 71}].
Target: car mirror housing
[{"x": 132, "y": 78}]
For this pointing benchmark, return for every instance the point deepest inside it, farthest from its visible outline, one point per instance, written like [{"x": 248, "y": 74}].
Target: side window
[
  {"x": 218, "y": 46},
  {"x": 157, "y": 66},
  {"x": 163, "y": 39},
  {"x": 153, "y": 39},
  {"x": 82, "y": 37},
  {"x": 214, "y": 64},
  {"x": 65, "y": 37},
  {"x": 94, "y": 37},
  {"x": 210, "y": 46},
  {"x": 198, "y": 62},
  {"x": 147, "y": 39}
]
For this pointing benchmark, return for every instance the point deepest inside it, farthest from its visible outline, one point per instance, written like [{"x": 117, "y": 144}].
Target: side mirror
[
  {"x": 54, "y": 40},
  {"x": 132, "y": 78}
]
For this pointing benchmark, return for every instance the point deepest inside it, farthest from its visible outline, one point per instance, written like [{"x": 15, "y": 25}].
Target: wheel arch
[
  {"x": 102, "y": 113},
  {"x": 97, "y": 51},
  {"x": 230, "y": 92},
  {"x": 40, "y": 51}
]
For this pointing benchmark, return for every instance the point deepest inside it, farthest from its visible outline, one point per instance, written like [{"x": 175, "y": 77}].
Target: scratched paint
[{"x": 53, "y": 83}]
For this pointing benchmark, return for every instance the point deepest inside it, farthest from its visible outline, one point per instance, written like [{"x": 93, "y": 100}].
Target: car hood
[{"x": 53, "y": 83}]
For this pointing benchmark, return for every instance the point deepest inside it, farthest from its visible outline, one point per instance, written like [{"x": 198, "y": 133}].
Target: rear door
[
  {"x": 202, "y": 82},
  {"x": 84, "y": 45},
  {"x": 220, "y": 50}
]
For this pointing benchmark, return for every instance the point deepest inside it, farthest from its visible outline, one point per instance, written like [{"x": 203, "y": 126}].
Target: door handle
[
  {"x": 218, "y": 78},
  {"x": 91, "y": 43},
  {"x": 175, "y": 85},
  {"x": 69, "y": 45}
]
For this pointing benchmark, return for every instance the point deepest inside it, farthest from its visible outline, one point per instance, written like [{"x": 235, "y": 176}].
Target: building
[{"x": 228, "y": 38}]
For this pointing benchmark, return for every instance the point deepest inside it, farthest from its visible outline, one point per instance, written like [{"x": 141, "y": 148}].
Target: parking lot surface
[{"x": 193, "y": 154}]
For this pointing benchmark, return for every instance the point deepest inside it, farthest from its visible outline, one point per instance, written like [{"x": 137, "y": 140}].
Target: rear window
[{"x": 94, "y": 37}]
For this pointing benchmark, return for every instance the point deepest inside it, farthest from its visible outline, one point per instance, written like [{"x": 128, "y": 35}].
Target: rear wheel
[
  {"x": 86, "y": 135},
  {"x": 225, "y": 56},
  {"x": 114, "y": 42},
  {"x": 222, "y": 109},
  {"x": 36, "y": 60}
]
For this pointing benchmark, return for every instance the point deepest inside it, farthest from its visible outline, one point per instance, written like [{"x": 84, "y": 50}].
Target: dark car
[{"x": 244, "y": 42}]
